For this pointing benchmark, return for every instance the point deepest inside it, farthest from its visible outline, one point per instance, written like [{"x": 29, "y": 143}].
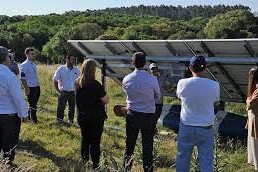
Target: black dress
[{"x": 91, "y": 117}]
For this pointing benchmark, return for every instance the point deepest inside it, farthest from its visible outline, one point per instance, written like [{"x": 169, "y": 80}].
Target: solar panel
[{"x": 229, "y": 60}]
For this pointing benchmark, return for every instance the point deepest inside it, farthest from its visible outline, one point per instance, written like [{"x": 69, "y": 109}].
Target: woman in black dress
[{"x": 90, "y": 101}]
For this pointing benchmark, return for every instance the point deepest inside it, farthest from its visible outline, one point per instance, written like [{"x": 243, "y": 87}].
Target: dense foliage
[{"x": 49, "y": 33}]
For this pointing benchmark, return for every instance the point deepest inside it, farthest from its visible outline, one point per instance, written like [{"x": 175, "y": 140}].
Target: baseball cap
[
  {"x": 152, "y": 65},
  {"x": 10, "y": 51},
  {"x": 198, "y": 63}
]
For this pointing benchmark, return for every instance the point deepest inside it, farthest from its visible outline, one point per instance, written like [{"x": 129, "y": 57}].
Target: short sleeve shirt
[
  {"x": 198, "y": 96},
  {"x": 88, "y": 100},
  {"x": 66, "y": 77},
  {"x": 29, "y": 73}
]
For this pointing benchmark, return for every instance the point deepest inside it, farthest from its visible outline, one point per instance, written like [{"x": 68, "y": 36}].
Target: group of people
[
  {"x": 12, "y": 105},
  {"x": 144, "y": 100},
  {"x": 90, "y": 100},
  {"x": 198, "y": 96}
]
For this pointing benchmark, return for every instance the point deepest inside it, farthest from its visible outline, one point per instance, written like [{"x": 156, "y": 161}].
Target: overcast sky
[{"x": 35, "y": 7}]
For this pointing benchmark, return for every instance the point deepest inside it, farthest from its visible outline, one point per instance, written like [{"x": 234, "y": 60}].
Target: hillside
[{"x": 49, "y": 33}]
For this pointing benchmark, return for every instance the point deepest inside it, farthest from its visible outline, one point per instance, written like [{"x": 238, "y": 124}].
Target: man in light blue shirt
[
  {"x": 29, "y": 78},
  {"x": 12, "y": 107},
  {"x": 141, "y": 90}
]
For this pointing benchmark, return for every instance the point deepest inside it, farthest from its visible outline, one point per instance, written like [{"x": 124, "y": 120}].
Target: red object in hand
[{"x": 120, "y": 110}]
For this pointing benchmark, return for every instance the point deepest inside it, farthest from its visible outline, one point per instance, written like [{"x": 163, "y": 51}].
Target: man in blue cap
[{"x": 198, "y": 96}]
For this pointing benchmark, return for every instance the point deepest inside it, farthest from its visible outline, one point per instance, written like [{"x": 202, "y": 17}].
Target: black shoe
[{"x": 95, "y": 166}]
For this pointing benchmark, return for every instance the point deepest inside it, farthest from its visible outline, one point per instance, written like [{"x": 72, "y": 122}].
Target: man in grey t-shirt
[{"x": 198, "y": 95}]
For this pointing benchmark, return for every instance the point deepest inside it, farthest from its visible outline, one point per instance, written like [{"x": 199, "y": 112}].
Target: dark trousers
[
  {"x": 135, "y": 122},
  {"x": 9, "y": 135},
  {"x": 62, "y": 101},
  {"x": 33, "y": 98},
  {"x": 91, "y": 132},
  {"x": 158, "y": 111}
]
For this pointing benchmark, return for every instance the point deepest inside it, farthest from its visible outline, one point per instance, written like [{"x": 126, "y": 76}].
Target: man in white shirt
[
  {"x": 29, "y": 78},
  {"x": 198, "y": 96},
  {"x": 158, "y": 102},
  {"x": 12, "y": 107},
  {"x": 64, "y": 80}
]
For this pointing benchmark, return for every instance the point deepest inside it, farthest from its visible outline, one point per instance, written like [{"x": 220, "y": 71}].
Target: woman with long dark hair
[
  {"x": 252, "y": 122},
  {"x": 90, "y": 101}
]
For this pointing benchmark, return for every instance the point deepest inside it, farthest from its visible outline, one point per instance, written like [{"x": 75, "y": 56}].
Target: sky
[{"x": 36, "y": 7}]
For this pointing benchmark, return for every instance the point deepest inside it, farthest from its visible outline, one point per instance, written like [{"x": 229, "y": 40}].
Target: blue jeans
[{"x": 190, "y": 136}]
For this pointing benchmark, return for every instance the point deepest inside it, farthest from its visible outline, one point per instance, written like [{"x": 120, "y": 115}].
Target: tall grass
[{"x": 51, "y": 147}]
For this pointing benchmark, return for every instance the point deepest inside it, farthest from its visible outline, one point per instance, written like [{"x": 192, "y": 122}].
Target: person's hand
[
  {"x": 25, "y": 119},
  {"x": 59, "y": 92},
  {"x": 249, "y": 99},
  {"x": 27, "y": 91}
]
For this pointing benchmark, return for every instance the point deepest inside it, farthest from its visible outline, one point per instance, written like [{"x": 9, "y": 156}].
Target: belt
[
  {"x": 68, "y": 91},
  {"x": 141, "y": 113},
  {"x": 205, "y": 127},
  {"x": 12, "y": 114}
]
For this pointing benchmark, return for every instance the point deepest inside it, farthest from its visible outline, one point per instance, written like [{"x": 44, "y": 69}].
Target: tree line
[{"x": 49, "y": 33}]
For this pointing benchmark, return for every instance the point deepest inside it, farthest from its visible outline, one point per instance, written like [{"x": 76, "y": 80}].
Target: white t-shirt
[
  {"x": 198, "y": 96},
  {"x": 66, "y": 77}
]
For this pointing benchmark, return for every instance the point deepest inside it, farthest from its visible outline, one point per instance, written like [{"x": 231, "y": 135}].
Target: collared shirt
[
  {"x": 66, "y": 77},
  {"x": 11, "y": 100},
  {"x": 198, "y": 96},
  {"x": 141, "y": 90},
  {"x": 29, "y": 73}
]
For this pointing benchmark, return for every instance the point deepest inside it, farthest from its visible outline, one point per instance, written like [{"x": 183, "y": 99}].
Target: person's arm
[
  {"x": 16, "y": 69},
  {"x": 105, "y": 99},
  {"x": 157, "y": 93},
  {"x": 56, "y": 77},
  {"x": 218, "y": 104},
  {"x": 23, "y": 80},
  {"x": 123, "y": 85},
  {"x": 102, "y": 93},
  {"x": 25, "y": 85},
  {"x": 178, "y": 89},
  {"x": 16, "y": 95},
  {"x": 253, "y": 101},
  {"x": 56, "y": 87}
]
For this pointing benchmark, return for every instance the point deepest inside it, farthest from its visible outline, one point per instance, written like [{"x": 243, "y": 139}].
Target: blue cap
[{"x": 198, "y": 63}]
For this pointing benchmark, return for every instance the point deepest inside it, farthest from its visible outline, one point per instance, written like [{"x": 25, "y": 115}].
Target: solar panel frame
[{"x": 228, "y": 59}]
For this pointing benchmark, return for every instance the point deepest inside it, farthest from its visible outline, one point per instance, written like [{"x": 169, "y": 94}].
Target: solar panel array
[{"x": 229, "y": 60}]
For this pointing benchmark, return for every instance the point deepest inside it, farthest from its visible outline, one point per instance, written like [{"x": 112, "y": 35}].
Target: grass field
[{"x": 51, "y": 147}]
